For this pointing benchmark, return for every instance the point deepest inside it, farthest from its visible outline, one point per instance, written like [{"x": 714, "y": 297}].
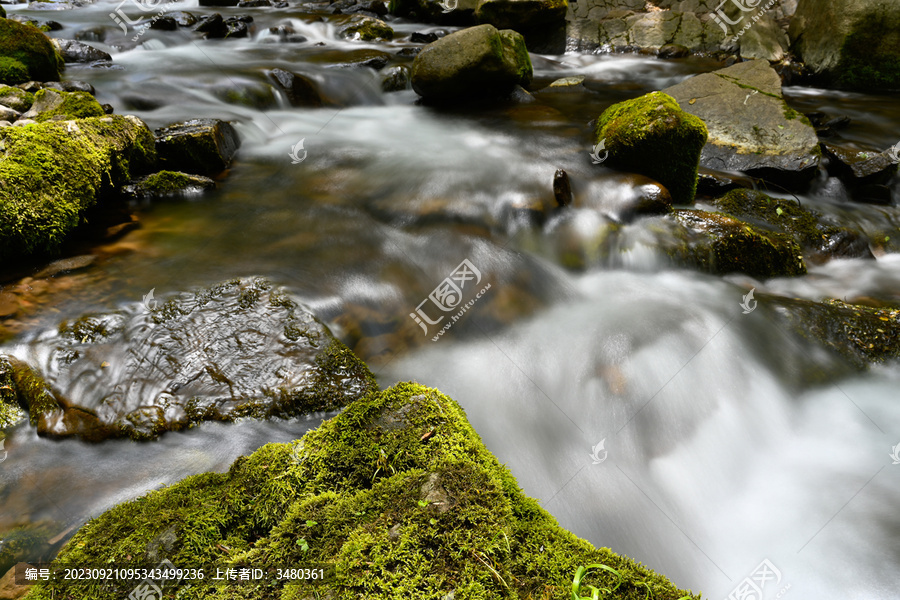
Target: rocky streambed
[{"x": 283, "y": 186}]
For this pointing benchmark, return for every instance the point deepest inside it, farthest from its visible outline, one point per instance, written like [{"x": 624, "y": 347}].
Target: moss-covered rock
[
  {"x": 397, "y": 494},
  {"x": 12, "y": 71},
  {"x": 473, "y": 63},
  {"x": 652, "y": 136},
  {"x": 50, "y": 173},
  {"x": 54, "y": 105},
  {"x": 201, "y": 146},
  {"x": 21, "y": 389},
  {"x": 819, "y": 240},
  {"x": 15, "y": 98},
  {"x": 169, "y": 183},
  {"x": 720, "y": 244},
  {"x": 367, "y": 29},
  {"x": 29, "y": 46}
]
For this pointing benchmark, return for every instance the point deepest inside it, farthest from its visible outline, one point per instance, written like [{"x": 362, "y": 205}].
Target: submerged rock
[
  {"x": 399, "y": 478},
  {"x": 299, "y": 89},
  {"x": 751, "y": 128},
  {"x": 200, "y": 146},
  {"x": 238, "y": 349},
  {"x": 54, "y": 171},
  {"x": 473, "y": 63},
  {"x": 652, "y": 136},
  {"x": 168, "y": 184},
  {"x": 854, "y": 44}
]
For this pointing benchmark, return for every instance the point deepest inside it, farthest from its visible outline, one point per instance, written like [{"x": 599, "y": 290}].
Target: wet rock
[
  {"x": 212, "y": 26},
  {"x": 413, "y": 52},
  {"x": 168, "y": 184},
  {"x": 395, "y": 79},
  {"x": 74, "y": 51},
  {"x": 366, "y": 29},
  {"x": 51, "y": 105},
  {"x": 541, "y": 22},
  {"x": 239, "y": 349},
  {"x": 199, "y": 146},
  {"x": 646, "y": 198},
  {"x": 819, "y": 240},
  {"x": 858, "y": 167},
  {"x": 376, "y": 7},
  {"x": 854, "y": 44},
  {"x": 562, "y": 188},
  {"x": 253, "y": 3},
  {"x": 86, "y": 157},
  {"x": 651, "y": 135},
  {"x": 218, "y": 2},
  {"x": 287, "y": 34},
  {"x": 182, "y": 18},
  {"x": 248, "y": 93},
  {"x": 66, "y": 265},
  {"x": 164, "y": 23},
  {"x": 78, "y": 86},
  {"x": 237, "y": 27},
  {"x": 300, "y": 89},
  {"x": 428, "y": 11},
  {"x": 15, "y": 98},
  {"x": 423, "y": 38},
  {"x": 751, "y": 128},
  {"x": 721, "y": 244},
  {"x": 713, "y": 183},
  {"x": 673, "y": 51},
  {"x": 476, "y": 62}
]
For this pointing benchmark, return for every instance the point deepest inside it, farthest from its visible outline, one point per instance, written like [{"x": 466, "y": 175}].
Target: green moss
[
  {"x": 2, "y": 12},
  {"x": 75, "y": 105},
  {"x": 32, "y": 48},
  {"x": 24, "y": 543},
  {"x": 15, "y": 98},
  {"x": 720, "y": 244},
  {"x": 167, "y": 182},
  {"x": 50, "y": 173},
  {"x": 789, "y": 113},
  {"x": 397, "y": 494},
  {"x": 11, "y": 412},
  {"x": 23, "y": 388},
  {"x": 651, "y": 135},
  {"x": 870, "y": 56},
  {"x": 368, "y": 29},
  {"x": 517, "y": 53},
  {"x": 12, "y": 71}
]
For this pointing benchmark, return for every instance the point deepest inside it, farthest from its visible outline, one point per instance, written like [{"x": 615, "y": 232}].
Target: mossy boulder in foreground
[
  {"x": 398, "y": 493},
  {"x": 50, "y": 173},
  {"x": 473, "y": 63},
  {"x": 31, "y": 48},
  {"x": 652, "y": 136},
  {"x": 238, "y": 349}
]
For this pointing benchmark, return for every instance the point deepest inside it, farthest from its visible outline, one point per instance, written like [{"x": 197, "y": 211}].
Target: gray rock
[
  {"x": 751, "y": 128},
  {"x": 765, "y": 39},
  {"x": 300, "y": 89},
  {"x": 74, "y": 51},
  {"x": 48, "y": 100},
  {"x": 8, "y": 114},
  {"x": 199, "y": 146},
  {"x": 14, "y": 98},
  {"x": 475, "y": 62},
  {"x": 239, "y": 349},
  {"x": 395, "y": 79}
]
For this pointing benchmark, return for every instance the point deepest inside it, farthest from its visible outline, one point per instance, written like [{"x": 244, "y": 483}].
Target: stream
[{"x": 727, "y": 439}]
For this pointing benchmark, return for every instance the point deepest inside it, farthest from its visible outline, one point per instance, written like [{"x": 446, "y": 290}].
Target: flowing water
[{"x": 727, "y": 440}]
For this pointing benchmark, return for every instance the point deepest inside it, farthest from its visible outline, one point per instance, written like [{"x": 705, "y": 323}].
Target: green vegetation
[
  {"x": 15, "y": 98},
  {"x": 12, "y": 71},
  {"x": 651, "y": 135},
  {"x": 443, "y": 516},
  {"x": 30, "y": 47},
  {"x": 74, "y": 105},
  {"x": 168, "y": 183},
  {"x": 52, "y": 172}
]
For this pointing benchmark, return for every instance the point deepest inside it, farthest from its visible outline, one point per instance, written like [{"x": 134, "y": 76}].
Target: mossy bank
[{"x": 397, "y": 493}]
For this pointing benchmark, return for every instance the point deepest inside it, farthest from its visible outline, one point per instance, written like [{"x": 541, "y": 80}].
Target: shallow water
[{"x": 722, "y": 448}]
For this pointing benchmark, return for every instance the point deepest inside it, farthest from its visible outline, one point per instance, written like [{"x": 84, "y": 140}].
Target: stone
[
  {"x": 198, "y": 146},
  {"x": 300, "y": 89},
  {"x": 74, "y": 51}
]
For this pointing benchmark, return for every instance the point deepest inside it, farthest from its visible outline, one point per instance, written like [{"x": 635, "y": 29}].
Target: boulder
[
  {"x": 199, "y": 146},
  {"x": 819, "y": 239},
  {"x": 168, "y": 184},
  {"x": 299, "y": 89},
  {"x": 29, "y": 47},
  {"x": 243, "y": 348},
  {"x": 856, "y": 167},
  {"x": 367, "y": 29},
  {"x": 766, "y": 39},
  {"x": 444, "y": 12},
  {"x": 382, "y": 483},
  {"x": 541, "y": 22},
  {"x": 54, "y": 171},
  {"x": 652, "y": 136},
  {"x": 475, "y": 62},
  {"x": 52, "y": 105},
  {"x": 751, "y": 127},
  {"x": 853, "y": 44},
  {"x": 721, "y": 244},
  {"x": 73, "y": 51}
]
